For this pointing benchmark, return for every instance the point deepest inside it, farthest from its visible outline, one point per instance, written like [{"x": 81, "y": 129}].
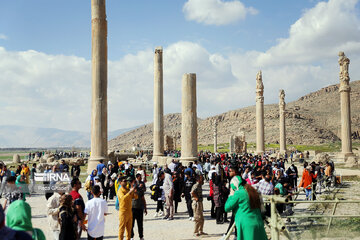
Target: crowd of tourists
[
  {"x": 236, "y": 186},
  {"x": 57, "y": 154}
]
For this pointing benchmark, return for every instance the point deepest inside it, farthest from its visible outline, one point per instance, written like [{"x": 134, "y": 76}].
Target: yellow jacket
[{"x": 125, "y": 199}]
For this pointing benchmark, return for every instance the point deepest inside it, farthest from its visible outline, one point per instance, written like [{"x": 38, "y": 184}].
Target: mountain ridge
[{"x": 312, "y": 119}]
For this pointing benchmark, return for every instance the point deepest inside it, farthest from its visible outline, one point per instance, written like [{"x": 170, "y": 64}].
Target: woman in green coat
[{"x": 246, "y": 204}]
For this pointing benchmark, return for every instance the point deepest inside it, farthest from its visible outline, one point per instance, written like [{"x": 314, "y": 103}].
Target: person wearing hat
[{"x": 125, "y": 196}]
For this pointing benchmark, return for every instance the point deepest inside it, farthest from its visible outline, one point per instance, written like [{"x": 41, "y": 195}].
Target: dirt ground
[{"x": 154, "y": 228}]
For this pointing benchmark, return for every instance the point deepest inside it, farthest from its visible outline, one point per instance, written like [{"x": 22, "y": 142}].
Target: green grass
[
  {"x": 6, "y": 158},
  {"x": 222, "y": 147}
]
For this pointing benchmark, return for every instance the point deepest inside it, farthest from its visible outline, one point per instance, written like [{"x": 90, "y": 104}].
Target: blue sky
[
  {"x": 45, "y": 54},
  {"x": 63, "y": 27}
]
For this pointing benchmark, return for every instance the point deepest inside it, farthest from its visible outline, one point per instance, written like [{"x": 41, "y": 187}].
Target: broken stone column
[
  {"x": 243, "y": 147},
  {"x": 99, "y": 84},
  {"x": 260, "y": 146},
  {"x": 168, "y": 143},
  {"x": 16, "y": 158},
  {"x": 231, "y": 144},
  {"x": 215, "y": 135},
  {"x": 346, "y": 144},
  {"x": 158, "y": 104},
  {"x": 282, "y": 122},
  {"x": 188, "y": 119}
]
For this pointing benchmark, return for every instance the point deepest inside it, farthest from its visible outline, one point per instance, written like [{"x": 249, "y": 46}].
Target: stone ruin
[
  {"x": 16, "y": 158},
  {"x": 352, "y": 162},
  {"x": 240, "y": 144},
  {"x": 321, "y": 157},
  {"x": 169, "y": 144},
  {"x": 113, "y": 156}
]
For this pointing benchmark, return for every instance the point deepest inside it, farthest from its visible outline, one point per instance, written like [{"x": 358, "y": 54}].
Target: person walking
[
  {"x": 189, "y": 183},
  {"x": 5, "y": 174},
  {"x": 160, "y": 195},
  {"x": 307, "y": 181},
  {"x": 168, "y": 188},
  {"x": 197, "y": 197},
  {"x": 32, "y": 178},
  {"x": 249, "y": 223},
  {"x": 96, "y": 209},
  {"x": 235, "y": 183}
]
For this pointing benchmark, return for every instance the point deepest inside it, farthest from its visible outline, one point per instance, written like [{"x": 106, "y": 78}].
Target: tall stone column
[
  {"x": 282, "y": 121},
  {"x": 215, "y": 135},
  {"x": 99, "y": 148},
  {"x": 158, "y": 104},
  {"x": 260, "y": 146},
  {"x": 346, "y": 144},
  {"x": 188, "y": 119}
]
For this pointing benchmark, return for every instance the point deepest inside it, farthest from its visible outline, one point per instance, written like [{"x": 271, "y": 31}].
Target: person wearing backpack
[{"x": 18, "y": 217}]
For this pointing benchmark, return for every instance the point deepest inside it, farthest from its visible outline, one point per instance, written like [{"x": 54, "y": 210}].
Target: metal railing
[{"x": 277, "y": 225}]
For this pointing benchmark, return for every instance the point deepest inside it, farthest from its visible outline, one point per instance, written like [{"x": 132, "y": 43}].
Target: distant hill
[
  {"x": 312, "y": 119},
  {"x": 31, "y": 137}
]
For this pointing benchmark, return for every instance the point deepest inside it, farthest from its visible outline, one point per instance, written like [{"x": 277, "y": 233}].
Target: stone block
[{"x": 16, "y": 158}]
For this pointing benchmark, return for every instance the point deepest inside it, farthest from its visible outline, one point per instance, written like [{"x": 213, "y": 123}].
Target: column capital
[
  {"x": 344, "y": 88},
  {"x": 158, "y": 49},
  {"x": 260, "y": 99}
]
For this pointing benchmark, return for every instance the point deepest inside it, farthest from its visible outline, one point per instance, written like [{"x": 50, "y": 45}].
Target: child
[
  {"x": 98, "y": 183},
  {"x": 96, "y": 209}
]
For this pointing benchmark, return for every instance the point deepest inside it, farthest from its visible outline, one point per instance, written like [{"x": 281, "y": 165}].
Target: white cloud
[
  {"x": 216, "y": 12},
  {"x": 321, "y": 32},
  {"x": 3, "y": 37},
  {"x": 37, "y": 89}
]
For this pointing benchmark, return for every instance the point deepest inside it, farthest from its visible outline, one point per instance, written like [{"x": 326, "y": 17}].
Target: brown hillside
[{"x": 313, "y": 119}]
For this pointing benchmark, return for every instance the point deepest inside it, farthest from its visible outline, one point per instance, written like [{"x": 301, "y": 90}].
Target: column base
[
  {"x": 161, "y": 160},
  {"x": 344, "y": 156},
  {"x": 282, "y": 153},
  {"x": 93, "y": 162},
  {"x": 260, "y": 153},
  {"x": 186, "y": 160}
]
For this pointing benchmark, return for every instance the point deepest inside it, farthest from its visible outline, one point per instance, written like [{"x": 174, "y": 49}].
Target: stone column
[
  {"x": 99, "y": 148},
  {"x": 231, "y": 144},
  {"x": 158, "y": 104},
  {"x": 282, "y": 122},
  {"x": 346, "y": 145},
  {"x": 260, "y": 147},
  {"x": 215, "y": 135},
  {"x": 188, "y": 119}
]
